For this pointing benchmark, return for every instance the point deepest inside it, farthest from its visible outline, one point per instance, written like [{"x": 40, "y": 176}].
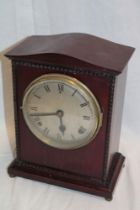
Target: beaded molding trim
[
  {"x": 51, "y": 172},
  {"x": 50, "y": 67}
]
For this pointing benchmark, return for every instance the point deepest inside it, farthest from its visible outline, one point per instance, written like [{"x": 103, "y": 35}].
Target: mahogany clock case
[{"x": 95, "y": 167}]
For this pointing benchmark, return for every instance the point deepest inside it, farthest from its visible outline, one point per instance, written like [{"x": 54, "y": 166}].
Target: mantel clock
[{"x": 68, "y": 97}]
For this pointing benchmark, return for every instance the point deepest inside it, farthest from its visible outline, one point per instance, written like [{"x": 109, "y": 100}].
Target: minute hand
[{"x": 44, "y": 114}]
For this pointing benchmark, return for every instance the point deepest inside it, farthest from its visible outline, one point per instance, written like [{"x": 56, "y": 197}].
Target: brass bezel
[{"x": 82, "y": 89}]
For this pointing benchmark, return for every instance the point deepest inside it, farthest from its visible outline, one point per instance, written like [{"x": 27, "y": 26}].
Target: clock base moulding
[{"x": 51, "y": 176}]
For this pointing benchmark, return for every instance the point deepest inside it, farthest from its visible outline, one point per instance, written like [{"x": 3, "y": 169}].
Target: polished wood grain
[
  {"x": 53, "y": 176},
  {"x": 88, "y": 48},
  {"x": 101, "y": 66},
  {"x": 87, "y": 160}
]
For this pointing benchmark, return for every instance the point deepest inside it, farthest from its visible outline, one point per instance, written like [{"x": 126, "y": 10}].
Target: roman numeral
[
  {"x": 47, "y": 88},
  {"x": 46, "y": 132},
  {"x": 86, "y": 117},
  {"x": 81, "y": 130},
  {"x": 74, "y": 92},
  {"x": 84, "y": 104},
  {"x": 36, "y": 119},
  {"x": 37, "y": 96},
  {"x": 34, "y": 108},
  {"x": 60, "y": 88}
]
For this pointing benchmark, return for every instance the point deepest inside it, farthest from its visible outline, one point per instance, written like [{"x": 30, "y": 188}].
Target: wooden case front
[{"x": 89, "y": 161}]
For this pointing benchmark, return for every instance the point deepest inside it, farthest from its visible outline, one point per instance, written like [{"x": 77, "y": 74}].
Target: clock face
[{"x": 61, "y": 111}]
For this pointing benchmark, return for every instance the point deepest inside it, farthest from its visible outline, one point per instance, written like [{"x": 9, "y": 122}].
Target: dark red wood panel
[
  {"x": 85, "y": 47},
  {"x": 87, "y": 160}
]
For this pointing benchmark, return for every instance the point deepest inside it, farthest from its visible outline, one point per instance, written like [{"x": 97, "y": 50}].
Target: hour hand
[
  {"x": 60, "y": 114},
  {"x": 62, "y": 128}
]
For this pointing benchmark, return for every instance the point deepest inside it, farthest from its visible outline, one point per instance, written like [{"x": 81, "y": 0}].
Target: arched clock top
[{"x": 75, "y": 46}]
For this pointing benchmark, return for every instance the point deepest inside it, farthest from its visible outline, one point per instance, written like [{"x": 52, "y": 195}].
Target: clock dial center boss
[{"x": 61, "y": 111}]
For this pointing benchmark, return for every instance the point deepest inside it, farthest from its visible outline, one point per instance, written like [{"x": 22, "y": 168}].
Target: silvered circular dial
[{"x": 61, "y": 111}]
